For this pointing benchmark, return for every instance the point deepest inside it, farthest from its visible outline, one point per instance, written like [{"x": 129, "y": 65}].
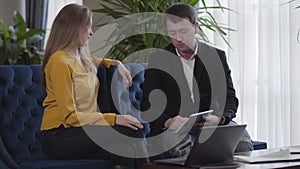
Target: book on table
[{"x": 263, "y": 156}]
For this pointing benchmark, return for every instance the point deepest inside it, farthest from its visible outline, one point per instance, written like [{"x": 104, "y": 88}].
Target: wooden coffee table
[{"x": 271, "y": 165}]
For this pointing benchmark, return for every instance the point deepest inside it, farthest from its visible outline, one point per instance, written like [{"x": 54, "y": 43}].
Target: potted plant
[
  {"x": 17, "y": 43},
  {"x": 120, "y": 8}
]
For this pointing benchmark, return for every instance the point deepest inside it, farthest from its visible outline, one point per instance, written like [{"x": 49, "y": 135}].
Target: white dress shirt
[{"x": 188, "y": 68}]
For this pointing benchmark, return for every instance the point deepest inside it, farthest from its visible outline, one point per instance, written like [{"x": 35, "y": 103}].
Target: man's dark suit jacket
[{"x": 212, "y": 87}]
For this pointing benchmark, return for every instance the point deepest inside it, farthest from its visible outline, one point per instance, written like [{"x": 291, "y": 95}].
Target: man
[{"x": 190, "y": 76}]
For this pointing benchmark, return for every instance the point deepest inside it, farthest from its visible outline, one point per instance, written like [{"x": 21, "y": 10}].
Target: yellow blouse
[{"x": 72, "y": 93}]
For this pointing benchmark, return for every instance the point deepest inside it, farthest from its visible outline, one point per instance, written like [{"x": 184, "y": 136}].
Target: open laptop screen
[
  {"x": 215, "y": 144},
  {"x": 212, "y": 145}
]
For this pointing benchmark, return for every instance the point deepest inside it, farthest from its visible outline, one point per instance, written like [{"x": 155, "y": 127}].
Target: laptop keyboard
[{"x": 178, "y": 159}]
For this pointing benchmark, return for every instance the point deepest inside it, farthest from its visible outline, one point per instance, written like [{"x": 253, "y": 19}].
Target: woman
[{"x": 69, "y": 77}]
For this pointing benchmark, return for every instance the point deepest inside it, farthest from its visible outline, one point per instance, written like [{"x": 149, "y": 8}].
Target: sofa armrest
[
  {"x": 258, "y": 145},
  {"x": 3, "y": 165},
  {"x": 5, "y": 156},
  {"x": 114, "y": 97}
]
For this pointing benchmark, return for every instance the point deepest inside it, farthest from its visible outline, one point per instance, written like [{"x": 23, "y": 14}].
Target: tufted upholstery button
[
  {"x": 14, "y": 114},
  {"x": 26, "y": 101},
  {"x": 26, "y": 124},
  {"x": 137, "y": 97},
  {"x": 20, "y": 136},
  {"x": 33, "y": 114},
  {"x": 9, "y": 90}
]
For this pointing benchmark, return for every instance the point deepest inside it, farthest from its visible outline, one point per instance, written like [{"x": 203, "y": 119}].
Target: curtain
[
  {"x": 264, "y": 59},
  {"x": 36, "y": 16}
]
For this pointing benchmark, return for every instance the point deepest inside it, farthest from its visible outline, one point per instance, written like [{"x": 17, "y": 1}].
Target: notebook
[
  {"x": 270, "y": 155},
  {"x": 214, "y": 145}
]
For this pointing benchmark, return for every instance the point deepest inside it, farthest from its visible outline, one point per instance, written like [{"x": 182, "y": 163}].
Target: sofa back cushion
[
  {"x": 21, "y": 97},
  {"x": 114, "y": 97}
]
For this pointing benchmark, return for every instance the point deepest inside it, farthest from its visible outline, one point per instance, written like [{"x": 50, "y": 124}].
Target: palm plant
[
  {"x": 18, "y": 43},
  {"x": 135, "y": 42},
  {"x": 297, "y": 7}
]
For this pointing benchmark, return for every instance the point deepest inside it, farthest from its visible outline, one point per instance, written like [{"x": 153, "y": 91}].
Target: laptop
[{"x": 213, "y": 146}]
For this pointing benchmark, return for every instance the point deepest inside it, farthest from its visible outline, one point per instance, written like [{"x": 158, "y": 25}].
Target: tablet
[{"x": 187, "y": 126}]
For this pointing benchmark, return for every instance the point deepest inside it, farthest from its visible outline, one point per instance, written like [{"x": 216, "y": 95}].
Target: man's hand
[
  {"x": 211, "y": 120},
  {"x": 128, "y": 121},
  {"x": 175, "y": 122}
]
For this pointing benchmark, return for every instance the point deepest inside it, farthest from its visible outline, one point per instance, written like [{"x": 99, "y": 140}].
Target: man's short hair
[{"x": 178, "y": 11}]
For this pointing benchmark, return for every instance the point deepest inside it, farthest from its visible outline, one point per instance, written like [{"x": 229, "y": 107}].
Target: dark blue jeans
[{"x": 74, "y": 143}]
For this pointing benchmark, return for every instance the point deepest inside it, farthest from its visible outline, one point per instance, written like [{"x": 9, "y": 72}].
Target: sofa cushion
[{"x": 258, "y": 145}]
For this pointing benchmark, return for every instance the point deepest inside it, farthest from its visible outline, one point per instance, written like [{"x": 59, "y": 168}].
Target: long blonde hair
[{"x": 66, "y": 31}]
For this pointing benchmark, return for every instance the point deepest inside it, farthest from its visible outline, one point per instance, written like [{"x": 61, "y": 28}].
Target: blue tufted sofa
[{"x": 21, "y": 97}]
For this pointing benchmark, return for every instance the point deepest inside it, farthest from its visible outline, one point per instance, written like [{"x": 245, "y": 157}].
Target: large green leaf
[
  {"x": 32, "y": 32},
  {"x": 20, "y": 27},
  {"x": 121, "y": 8},
  {"x": 4, "y": 31}
]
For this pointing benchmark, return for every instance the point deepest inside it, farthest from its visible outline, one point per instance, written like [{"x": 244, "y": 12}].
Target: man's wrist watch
[{"x": 222, "y": 120}]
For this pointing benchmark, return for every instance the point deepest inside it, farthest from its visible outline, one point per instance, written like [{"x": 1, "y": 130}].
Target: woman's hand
[
  {"x": 128, "y": 121},
  {"x": 126, "y": 77}
]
